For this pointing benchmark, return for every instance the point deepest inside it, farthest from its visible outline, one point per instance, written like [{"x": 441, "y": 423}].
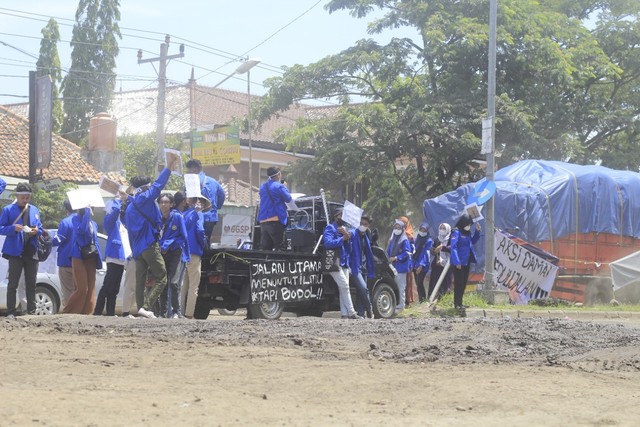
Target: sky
[{"x": 217, "y": 35}]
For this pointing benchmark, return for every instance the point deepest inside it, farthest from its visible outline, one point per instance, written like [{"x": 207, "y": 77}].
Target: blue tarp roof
[{"x": 540, "y": 200}]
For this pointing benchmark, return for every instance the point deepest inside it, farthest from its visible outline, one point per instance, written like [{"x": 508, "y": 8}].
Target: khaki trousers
[{"x": 189, "y": 292}]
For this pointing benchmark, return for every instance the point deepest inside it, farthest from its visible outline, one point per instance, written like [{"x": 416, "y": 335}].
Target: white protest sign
[
  {"x": 192, "y": 185},
  {"x": 524, "y": 274},
  {"x": 235, "y": 227},
  {"x": 85, "y": 197},
  {"x": 351, "y": 214}
]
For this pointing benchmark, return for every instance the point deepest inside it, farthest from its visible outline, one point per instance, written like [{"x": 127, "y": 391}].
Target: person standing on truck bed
[
  {"x": 143, "y": 221},
  {"x": 213, "y": 191},
  {"x": 272, "y": 214},
  {"x": 336, "y": 237}
]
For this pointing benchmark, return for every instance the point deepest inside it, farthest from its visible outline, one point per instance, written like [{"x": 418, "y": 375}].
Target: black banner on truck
[{"x": 288, "y": 281}]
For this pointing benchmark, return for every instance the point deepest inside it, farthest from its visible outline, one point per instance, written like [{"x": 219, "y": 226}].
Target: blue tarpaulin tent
[{"x": 540, "y": 200}]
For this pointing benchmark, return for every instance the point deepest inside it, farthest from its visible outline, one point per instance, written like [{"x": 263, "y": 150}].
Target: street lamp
[{"x": 245, "y": 68}]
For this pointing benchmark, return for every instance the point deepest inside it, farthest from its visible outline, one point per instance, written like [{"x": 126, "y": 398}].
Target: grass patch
[{"x": 475, "y": 300}]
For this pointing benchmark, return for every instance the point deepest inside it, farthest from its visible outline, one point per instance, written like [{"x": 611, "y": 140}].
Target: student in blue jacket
[
  {"x": 462, "y": 255},
  {"x": 117, "y": 250},
  {"x": 64, "y": 240},
  {"x": 173, "y": 243},
  {"x": 336, "y": 237},
  {"x": 362, "y": 266},
  {"x": 84, "y": 265},
  {"x": 421, "y": 259},
  {"x": 399, "y": 252},
  {"x": 196, "y": 242},
  {"x": 272, "y": 213},
  {"x": 143, "y": 221},
  {"x": 20, "y": 222},
  {"x": 212, "y": 190}
]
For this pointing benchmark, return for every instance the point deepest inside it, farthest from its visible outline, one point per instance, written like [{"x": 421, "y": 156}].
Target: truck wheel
[
  {"x": 266, "y": 310},
  {"x": 202, "y": 309},
  {"x": 383, "y": 301},
  {"x": 226, "y": 312}
]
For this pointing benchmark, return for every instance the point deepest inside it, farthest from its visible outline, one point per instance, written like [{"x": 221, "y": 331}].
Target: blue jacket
[
  {"x": 114, "y": 248},
  {"x": 462, "y": 252},
  {"x": 402, "y": 253},
  {"x": 333, "y": 240},
  {"x": 422, "y": 254},
  {"x": 3, "y": 185},
  {"x": 355, "y": 258},
  {"x": 83, "y": 235},
  {"x": 64, "y": 241},
  {"x": 14, "y": 242},
  {"x": 174, "y": 233},
  {"x": 196, "y": 239},
  {"x": 212, "y": 190},
  {"x": 143, "y": 233},
  {"x": 274, "y": 205}
]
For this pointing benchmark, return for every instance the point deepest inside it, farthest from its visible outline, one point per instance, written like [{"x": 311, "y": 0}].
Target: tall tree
[
  {"x": 562, "y": 94},
  {"x": 49, "y": 64},
  {"x": 89, "y": 85}
]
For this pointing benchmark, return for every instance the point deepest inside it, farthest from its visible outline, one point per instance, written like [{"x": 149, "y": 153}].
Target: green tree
[
  {"x": 49, "y": 64},
  {"x": 89, "y": 85},
  {"x": 140, "y": 156},
  {"x": 561, "y": 92}
]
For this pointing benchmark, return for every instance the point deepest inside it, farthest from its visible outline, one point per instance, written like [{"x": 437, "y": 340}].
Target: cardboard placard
[
  {"x": 109, "y": 185},
  {"x": 173, "y": 160}
]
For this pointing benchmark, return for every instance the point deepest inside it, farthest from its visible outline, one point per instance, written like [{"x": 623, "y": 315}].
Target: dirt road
[{"x": 69, "y": 370}]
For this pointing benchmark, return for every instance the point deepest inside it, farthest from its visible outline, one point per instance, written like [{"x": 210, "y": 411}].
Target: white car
[{"x": 48, "y": 290}]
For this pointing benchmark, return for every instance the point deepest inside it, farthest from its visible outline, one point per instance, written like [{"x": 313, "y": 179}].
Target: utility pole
[
  {"x": 489, "y": 250},
  {"x": 162, "y": 86}
]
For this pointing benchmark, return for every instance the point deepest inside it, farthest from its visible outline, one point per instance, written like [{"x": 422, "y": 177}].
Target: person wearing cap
[
  {"x": 272, "y": 214},
  {"x": 143, "y": 221},
  {"x": 64, "y": 241},
  {"x": 462, "y": 255},
  {"x": 362, "y": 267},
  {"x": 212, "y": 190},
  {"x": 20, "y": 222},
  {"x": 399, "y": 252},
  {"x": 337, "y": 238},
  {"x": 421, "y": 259}
]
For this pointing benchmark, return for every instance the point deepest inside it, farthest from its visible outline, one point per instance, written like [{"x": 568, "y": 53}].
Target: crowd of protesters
[
  {"x": 156, "y": 239},
  {"x": 153, "y": 238}
]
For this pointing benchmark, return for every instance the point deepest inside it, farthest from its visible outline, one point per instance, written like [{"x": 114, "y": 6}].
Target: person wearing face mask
[
  {"x": 462, "y": 255},
  {"x": 411, "y": 293},
  {"x": 336, "y": 237},
  {"x": 440, "y": 254},
  {"x": 362, "y": 266},
  {"x": 399, "y": 252},
  {"x": 421, "y": 259}
]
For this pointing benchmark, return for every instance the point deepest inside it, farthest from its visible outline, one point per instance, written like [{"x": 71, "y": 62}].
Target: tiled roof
[
  {"x": 66, "y": 161},
  {"x": 136, "y": 111},
  {"x": 237, "y": 192}
]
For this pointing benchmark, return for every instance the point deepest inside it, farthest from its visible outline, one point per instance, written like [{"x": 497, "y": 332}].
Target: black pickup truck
[{"x": 294, "y": 279}]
